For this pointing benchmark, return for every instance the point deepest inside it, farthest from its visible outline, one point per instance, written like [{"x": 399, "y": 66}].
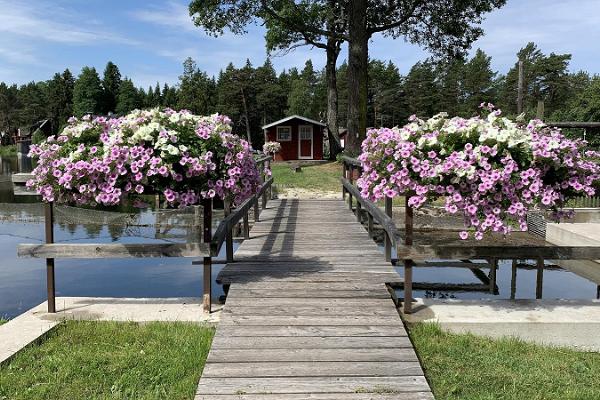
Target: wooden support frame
[
  {"x": 408, "y": 241},
  {"x": 207, "y": 273}
]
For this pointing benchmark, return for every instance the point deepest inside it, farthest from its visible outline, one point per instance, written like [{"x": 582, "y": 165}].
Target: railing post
[
  {"x": 370, "y": 224},
  {"x": 358, "y": 211},
  {"x": 408, "y": 264},
  {"x": 207, "y": 237},
  {"x": 246, "y": 226},
  {"x": 388, "y": 239},
  {"x": 493, "y": 271},
  {"x": 513, "y": 280},
  {"x": 256, "y": 210},
  {"x": 50, "y": 283},
  {"x": 350, "y": 201},
  {"x": 539, "y": 281},
  {"x": 229, "y": 234},
  {"x": 343, "y": 176}
]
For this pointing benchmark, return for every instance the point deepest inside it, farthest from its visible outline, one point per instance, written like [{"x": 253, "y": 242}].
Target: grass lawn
[
  {"x": 321, "y": 177},
  {"x": 468, "y": 367},
  {"x": 10, "y": 150},
  {"x": 3, "y": 321},
  {"x": 110, "y": 360}
]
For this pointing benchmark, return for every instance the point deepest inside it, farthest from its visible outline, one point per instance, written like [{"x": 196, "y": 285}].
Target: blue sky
[{"x": 149, "y": 40}]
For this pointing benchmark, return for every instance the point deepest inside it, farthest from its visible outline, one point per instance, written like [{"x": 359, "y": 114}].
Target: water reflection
[{"x": 22, "y": 281}]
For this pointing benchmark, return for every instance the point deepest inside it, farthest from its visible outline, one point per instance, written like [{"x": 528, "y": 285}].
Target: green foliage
[
  {"x": 302, "y": 99},
  {"x": 9, "y": 150},
  {"x": 87, "y": 93},
  {"x": 464, "y": 366},
  {"x": 110, "y": 360},
  {"x": 60, "y": 99},
  {"x": 110, "y": 84},
  {"x": 196, "y": 89},
  {"x": 129, "y": 98}
]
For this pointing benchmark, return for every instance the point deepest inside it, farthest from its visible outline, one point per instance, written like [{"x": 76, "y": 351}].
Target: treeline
[{"x": 253, "y": 96}]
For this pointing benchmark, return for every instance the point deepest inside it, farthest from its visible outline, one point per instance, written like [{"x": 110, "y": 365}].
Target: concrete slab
[
  {"x": 568, "y": 323},
  {"x": 31, "y": 325},
  {"x": 577, "y": 234}
]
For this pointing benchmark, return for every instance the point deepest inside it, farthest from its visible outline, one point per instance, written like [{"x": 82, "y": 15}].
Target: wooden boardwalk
[{"x": 308, "y": 315}]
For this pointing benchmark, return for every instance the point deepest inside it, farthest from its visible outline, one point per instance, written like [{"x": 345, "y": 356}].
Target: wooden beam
[
  {"x": 113, "y": 250},
  {"x": 424, "y": 252}
]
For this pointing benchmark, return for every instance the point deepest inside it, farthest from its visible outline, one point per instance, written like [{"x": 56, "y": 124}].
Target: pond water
[{"x": 23, "y": 281}]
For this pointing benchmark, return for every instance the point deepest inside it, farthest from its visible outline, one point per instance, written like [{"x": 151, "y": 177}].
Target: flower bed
[
  {"x": 490, "y": 169},
  {"x": 183, "y": 156}
]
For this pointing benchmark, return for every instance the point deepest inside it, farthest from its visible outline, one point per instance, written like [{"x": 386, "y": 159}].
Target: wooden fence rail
[
  {"x": 409, "y": 253},
  {"x": 207, "y": 246}
]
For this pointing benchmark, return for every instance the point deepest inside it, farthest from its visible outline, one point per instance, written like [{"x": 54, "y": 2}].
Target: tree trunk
[
  {"x": 332, "y": 99},
  {"x": 358, "y": 54}
]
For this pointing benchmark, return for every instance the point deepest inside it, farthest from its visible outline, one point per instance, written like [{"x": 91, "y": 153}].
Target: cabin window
[
  {"x": 284, "y": 133},
  {"x": 306, "y": 132}
]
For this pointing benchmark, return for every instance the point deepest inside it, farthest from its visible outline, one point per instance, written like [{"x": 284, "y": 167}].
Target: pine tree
[
  {"x": 129, "y": 97},
  {"x": 196, "y": 89},
  {"x": 478, "y": 84},
  {"x": 422, "y": 90},
  {"x": 32, "y": 98},
  {"x": 111, "y": 84},
  {"x": 301, "y": 99},
  {"x": 87, "y": 93},
  {"x": 9, "y": 108}
]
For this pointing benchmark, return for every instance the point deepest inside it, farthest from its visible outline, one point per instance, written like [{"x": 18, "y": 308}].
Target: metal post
[
  {"x": 513, "y": 280},
  {"x": 51, "y": 289},
  {"x": 246, "y": 226},
  {"x": 256, "y": 210},
  {"x": 493, "y": 269},
  {"x": 207, "y": 237},
  {"x": 408, "y": 240},
  {"x": 229, "y": 233},
  {"x": 540, "y": 278},
  {"x": 388, "y": 239}
]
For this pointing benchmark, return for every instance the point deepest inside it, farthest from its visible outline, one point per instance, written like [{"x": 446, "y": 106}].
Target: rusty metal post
[
  {"x": 408, "y": 264},
  {"x": 229, "y": 233},
  {"x": 388, "y": 239},
  {"x": 246, "y": 226},
  {"x": 207, "y": 237},
  {"x": 256, "y": 209},
  {"x": 540, "y": 278},
  {"x": 493, "y": 271},
  {"x": 50, "y": 281}
]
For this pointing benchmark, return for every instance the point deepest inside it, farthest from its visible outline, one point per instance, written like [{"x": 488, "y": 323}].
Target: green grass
[
  {"x": 110, "y": 360},
  {"x": 321, "y": 177},
  {"x": 10, "y": 150},
  {"x": 3, "y": 321},
  {"x": 467, "y": 367}
]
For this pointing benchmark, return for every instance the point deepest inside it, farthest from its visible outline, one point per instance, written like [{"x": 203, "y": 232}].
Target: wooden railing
[
  {"x": 207, "y": 247},
  {"x": 409, "y": 253}
]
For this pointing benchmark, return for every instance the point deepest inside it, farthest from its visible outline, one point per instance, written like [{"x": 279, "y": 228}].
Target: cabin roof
[{"x": 286, "y": 119}]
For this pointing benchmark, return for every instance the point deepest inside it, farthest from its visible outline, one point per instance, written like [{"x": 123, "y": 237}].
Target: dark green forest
[{"x": 255, "y": 95}]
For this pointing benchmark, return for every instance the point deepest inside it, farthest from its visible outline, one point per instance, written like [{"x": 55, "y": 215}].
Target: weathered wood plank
[
  {"x": 309, "y": 320},
  {"x": 308, "y": 369},
  {"x": 242, "y": 342},
  {"x": 113, "y": 250},
  {"x": 394, "y": 384},
  {"x": 353, "y": 354},
  {"x": 321, "y": 396},
  {"x": 311, "y": 330},
  {"x": 305, "y": 293}
]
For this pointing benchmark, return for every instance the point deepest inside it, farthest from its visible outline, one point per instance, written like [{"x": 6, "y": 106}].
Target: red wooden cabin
[{"x": 300, "y": 138}]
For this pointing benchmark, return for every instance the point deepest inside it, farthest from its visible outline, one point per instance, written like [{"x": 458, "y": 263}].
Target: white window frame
[
  {"x": 312, "y": 142},
  {"x": 277, "y": 133}
]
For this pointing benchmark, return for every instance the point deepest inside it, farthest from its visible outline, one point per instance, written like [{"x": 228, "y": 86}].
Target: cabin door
[{"x": 305, "y": 142}]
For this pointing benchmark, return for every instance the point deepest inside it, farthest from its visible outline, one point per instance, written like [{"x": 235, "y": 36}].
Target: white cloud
[
  {"x": 47, "y": 22},
  {"x": 170, "y": 13}
]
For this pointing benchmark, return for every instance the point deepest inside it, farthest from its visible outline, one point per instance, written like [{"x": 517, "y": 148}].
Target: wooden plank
[
  {"x": 337, "y": 384},
  {"x": 320, "y": 396},
  {"x": 234, "y": 301},
  {"x": 353, "y": 354},
  {"x": 311, "y": 330},
  {"x": 309, "y": 320},
  {"x": 306, "y": 369},
  {"x": 303, "y": 310},
  {"x": 113, "y": 250},
  {"x": 305, "y": 293},
  {"x": 239, "y": 342}
]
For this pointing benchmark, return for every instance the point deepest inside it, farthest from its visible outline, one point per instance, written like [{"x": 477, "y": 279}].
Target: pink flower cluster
[
  {"x": 489, "y": 169},
  {"x": 178, "y": 154}
]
